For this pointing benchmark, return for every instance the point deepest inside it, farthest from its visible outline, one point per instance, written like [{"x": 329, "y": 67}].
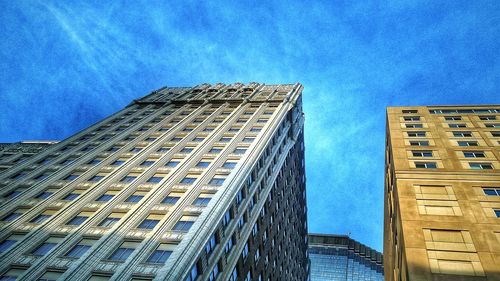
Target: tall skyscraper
[
  {"x": 198, "y": 183},
  {"x": 442, "y": 193},
  {"x": 339, "y": 258}
]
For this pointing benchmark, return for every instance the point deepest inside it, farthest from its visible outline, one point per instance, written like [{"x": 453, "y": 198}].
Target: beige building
[
  {"x": 442, "y": 193},
  {"x": 187, "y": 183}
]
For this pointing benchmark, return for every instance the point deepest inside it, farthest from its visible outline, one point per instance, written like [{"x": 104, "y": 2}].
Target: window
[
  {"x": 41, "y": 177},
  {"x": 416, "y": 134},
  {"x": 462, "y": 134},
  {"x": 414, "y": 126},
  {"x": 11, "y": 240},
  {"x": 172, "y": 163},
  {"x": 81, "y": 248},
  {"x": 487, "y": 118},
  {"x": 419, "y": 143},
  {"x": 73, "y": 195},
  {"x": 214, "y": 273},
  {"x": 225, "y": 139},
  {"x": 43, "y": 216},
  {"x": 229, "y": 165},
  {"x": 71, "y": 177},
  {"x": 96, "y": 178},
  {"x": 186, "y": 150},
  {"x": 150, "y": 139},
  {"x": 14, "y": 215},
  {"x": 216, "y": 181},
  {"x": 239, "y": 150},
  {"x": 481, "y": 166},
  {"x": 203, "y": 164},
  {"x": 227, "y": 218},
  {"x": 18, "y": 176},
  {"x": 468, "y": 143},
  {"x": 50, "y": 275},
  {"x": 13, "y": 194},
  {"x": 111, "y": 219},
  {"x": 497, "y": 213},
  {"x": 427, "y": 165},
  {"x": 422, "y": 153},
  {"x": 234, "y": 275},
  {"x": 147, "y": 163},
  {"x": 46, "y": 246},
  {"x": 212, "y": 242},
  {"x": 45, "y": 194},
  {"x": 201, "y": 201},
  {"x": 124, "y": 251},
  {"x": 135, "y": 149},
  {"x": 244, "y": 253},
  {"x": 256, "y": 129},
  {"x": 215, "y": 150},
  {"x": 474, "y": 154},
  {"x": 136, "y": 197},
  {"x": 80, "y": 218},
  {"x": 452, "y": 118},
  {"x": 491, "y": 191},
  {"x": 161, "y": 253},
  {"x": 170, "y": 199},
  {"x": 128, "y": 178},
  {"x": 185, "y": 223},
  {"x": 411, "y": 118},
  {"x": 497, "y": 125},
  {"x": 118, "y": 162},
  {"x": 12, "y": 274},
  {"x": 457, "y": 125},
  {"x": 163, "y": 149},
  {"x": 229, "y": 245},
  {"x": 193, "y": 273},
  {"x": 198, "y": 139},
  {"x": 188, "y": 180},
  {"x": 94, "y": 161},
  {"x": 495, "y": 134},
  {"x": 409, "y": 111},
  {"x": 156, "y": 178},
  {"x": 107, "y": 196},
  {"x": 262, "y": 120},
  {"x": 114, "y": 148},
  {"x": 150, "y": 221}
]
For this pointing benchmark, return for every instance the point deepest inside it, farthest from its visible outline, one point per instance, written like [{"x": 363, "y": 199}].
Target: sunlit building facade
[
  {"x": 442, "y": 193},
  {"x": 340, "y": 258},
  {"x": 187, "y": 183}
]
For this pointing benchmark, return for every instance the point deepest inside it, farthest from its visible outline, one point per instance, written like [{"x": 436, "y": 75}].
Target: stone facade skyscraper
[
  {"x": 198, "y": 183},
  {"x": 442, "y": 193}
]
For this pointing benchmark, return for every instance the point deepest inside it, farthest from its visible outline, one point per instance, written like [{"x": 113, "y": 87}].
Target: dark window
[
  {"x": 40, "y": 218},
  {"x": 104, "y": 198},
  {"x": 6, "y": 244},
  {"x": 128, "y": 178},
  {"x": 201, "y": 201},
  {"x": 71, "y": 177},
  {"x": 215, "y": 150},
  {"x": 77, "y": 251},
  {"x": 121, "y": 254},
  {"x": 77, "y": 220},
  {"x": 229, "y": 165},
  {"x": 71, "y": 196},
  {"x": 155, "y": 179},
  {"x": 203, "y": 164},
  {"x": 492, "y": 191},
  {"x": 147, "y": 163},
  {"x": 159, "y": 256},
  {"x": 107, "y": 222},
  {"x": 422, "y": 153},
  {"x": 428, "y": 165},
  {"x": 96, "y": 178},
  {"x": 217, "y": 181},
  {"x": 182, "y": 225},
  {"x": 188, "y": 180},
  {"x": 468, "y": 143},
  {"x": 148, "y": 224},
  {"x": 170, "y": 200},
  {"x": 474, "y": 154},
  {"x": 44, "y": 195},
  {"x": 172, "y": 163},
  {"x": 43, "y": 249},
  {"x": 134, "y": 198},
  {"x": 117, "y": 162},
  {"x": 481, "y": 166}
]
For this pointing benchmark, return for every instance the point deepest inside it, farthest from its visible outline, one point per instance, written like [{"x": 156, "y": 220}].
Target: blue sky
[{"x": 64, "y": 66}]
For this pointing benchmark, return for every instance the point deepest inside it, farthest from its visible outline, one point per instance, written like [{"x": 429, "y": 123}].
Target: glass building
[
  {"x": 339, "y": 258},
  {"x": 186, "y": 183}
]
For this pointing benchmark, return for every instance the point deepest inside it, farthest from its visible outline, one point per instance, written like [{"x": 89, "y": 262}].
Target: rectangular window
[
  {"x": 96, "y": 178},
  {"x": 156, "y": 178},
  {"x": 474, "y": 154},
  {"x": 468, "y": 143},
  {"x": 217, "y": 181},
  {"x": 81, "y": 248},
  {"x": 14, "y": 214},
  {"x": 203, "y": 164},
  {"x": 172, "y": 163},
  {"x": 118, "y": 162},
  {"x": 186, "y": 150},
  {"x": 248, "y": 139},
  {"x": 46, "y": 194},
  {"x": 188, "y": 180},
  {"x": 184, "y": 224},
  {"x": 416, "y": 134},
  {"x": 124, "y": 251},
  {"x": 111, "y": 219},
  {"x": 422, "y": 153},
  {"x": 481, "y": 166},
  {"x": 419, "y": 143},
  {"x": 462, "y": 134},
  {"x": 452, "y": 118},
  {"x": 172, "y": 198},
  {"x": 491, "y": 191},
  {"x": 201, "y": 201},
  {"x": 46, "y": 246},
  {"x": 10, "y": 241},
  {"x": 215, "y": 150},
  {"x": 73, "y": 195},
  {"x": 80, "y": 218},
  {"x": 128, "y": 178},
  {"x": 414, "y": 126},
  {"x": 148, "y": 163},
  {"x": 487, "y": 118},
  {"x": 497, "y": 125},
  {"x": 457, "y": 125},
  {"x": 45, "y": 215},
  {"x": 495, "y": 134},
  {"x": 239, "y": 150},
  {"x": 411, "y": 118},
  {"x": 107, "y": 196},
  {"x": 161, "y": 253},
  {"x": 229, "y": 165},
  {"x": 497, "y": 213},
  {"x": 71, "y": 177},
  {"x": 136, "y": 197},
  {"x": 150, "y": 221},
  {"x": 212, "y": 242},
  {"x": 409, "y": 111},
  {"x": 427, "y": 165}
]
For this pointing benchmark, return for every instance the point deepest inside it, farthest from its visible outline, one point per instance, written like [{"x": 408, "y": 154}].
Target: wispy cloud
[{"x": 70, "y": 64}]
